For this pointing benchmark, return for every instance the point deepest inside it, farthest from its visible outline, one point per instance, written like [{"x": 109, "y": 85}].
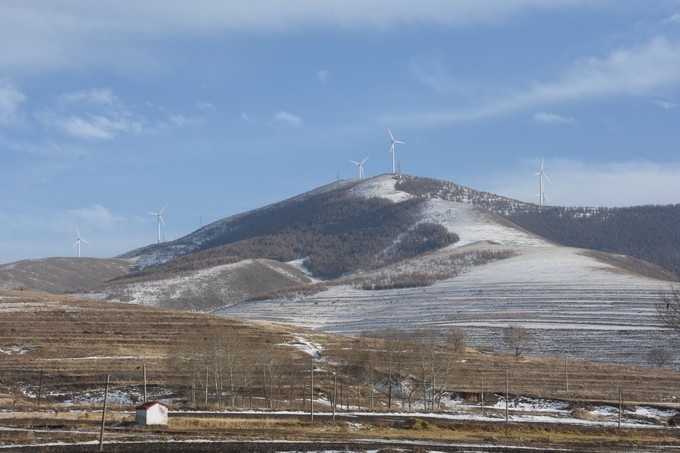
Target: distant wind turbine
[
  {"x": 79, "y": 240},
  {"x": 394, "y": 142},
  {"x": 159, "y": 220},
  {"x": 361, "y": 166},
  {"x": 541, "y": 186}
]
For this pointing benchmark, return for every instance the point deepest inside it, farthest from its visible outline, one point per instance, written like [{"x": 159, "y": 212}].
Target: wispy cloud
[
  {"x": 579, "y": 183},
  {"x": 666, "y": 104},
  {"x": 322, "y": 74},
  {"x": 96, "y": 216},
  {"x": 10, "y": 99},
  {"x": 248, "y": 118},
  {"x": 63, "y": 34},
  {"x": 205, "y": 106},
  {"x": 92, "y": 114},
  {"x": 632, "y": 71},
  {"x": 288, "y": 118},
  {"x": 551, "y": 118}
]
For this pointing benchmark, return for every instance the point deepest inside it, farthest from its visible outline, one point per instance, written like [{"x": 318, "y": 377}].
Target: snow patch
[{"x": 381, "y": 187}]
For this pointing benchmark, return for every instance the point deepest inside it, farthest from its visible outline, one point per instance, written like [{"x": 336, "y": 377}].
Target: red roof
[{"x": 150, "y": 404}]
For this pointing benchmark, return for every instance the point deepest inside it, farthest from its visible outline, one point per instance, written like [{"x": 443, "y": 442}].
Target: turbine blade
[
  {"x": 390, "y": 132},
  {"x": 363, "y": 161},
  {"x": 161, "y": 219},
  {"x": 546, "y": 177},
  {"x": 397, "y": 141},
  {"x": 161, "y": 211},
  {"x": 83, "y": 240},
  {"x": 152, "y": 213},
  {"x": 537, "y": 174},
  {"x": 75, "y": 243},
  {"x": 355, "y": 163}
]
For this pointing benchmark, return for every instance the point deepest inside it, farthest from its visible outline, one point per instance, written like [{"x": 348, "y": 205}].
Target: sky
[{"x": 113, "y": 109}]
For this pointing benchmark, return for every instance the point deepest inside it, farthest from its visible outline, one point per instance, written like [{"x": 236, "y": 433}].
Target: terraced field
[{"x": 572, "y": 303}]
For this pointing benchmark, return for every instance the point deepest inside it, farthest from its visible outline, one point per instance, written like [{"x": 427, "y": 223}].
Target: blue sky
[{"x": 109, "y": 110}]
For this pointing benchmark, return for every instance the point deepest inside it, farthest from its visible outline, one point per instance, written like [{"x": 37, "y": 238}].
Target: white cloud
[
  {"x": 10, "y": 99},
  {"x": 181, "y": 120},
  {"x": 93, "y": 114},
  {"x": 95, "y": 216},
  {"x": 666, "y": 104},
  {"x": 322, "y": 74},
  {"x": 286, "y": 117},
  {"x": 95, "y": 96},
  {"x": 630, "y": 72},
  {"x": 578, "y": 183},
  {"x": 551, "y": 118},
  {"x": 205, "y": 106},
  {"x": 248, "y": 118},
  {"x": 48, "y": 34}
]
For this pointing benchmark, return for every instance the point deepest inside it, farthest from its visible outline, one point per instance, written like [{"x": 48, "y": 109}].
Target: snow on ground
[
  {"x": 183, "y": 286},
  {"x": 572, "y": 304},
  {"x": 381, "y": 186},
  {"x": 307, "y": 346},
  {"x": 300, "y": 265},
  {"x": 474, "y": 224},
  {"x": 18, "y": 350}
]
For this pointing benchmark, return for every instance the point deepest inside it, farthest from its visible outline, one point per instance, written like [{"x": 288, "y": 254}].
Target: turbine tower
[
  {"x": 79, "y": 240},
  {"x": 541, "y": 186},
  {"x": 394, "y": 142},
  {"x": 361, "y": 166},
  {"x": 159, "y": 220}
]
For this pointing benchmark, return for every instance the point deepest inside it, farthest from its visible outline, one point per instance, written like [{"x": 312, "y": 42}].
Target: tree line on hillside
[{"x": 650, "y": 233}]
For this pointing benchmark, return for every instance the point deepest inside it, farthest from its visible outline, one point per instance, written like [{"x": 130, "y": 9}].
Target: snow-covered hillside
[
  {"x": 572, "y": 303},
  {"x": 210, "y": 288}
]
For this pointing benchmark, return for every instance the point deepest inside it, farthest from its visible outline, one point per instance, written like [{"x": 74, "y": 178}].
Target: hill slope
[
  {"x": 58, "y": 275},
  {"x": 207, "y": 289}
]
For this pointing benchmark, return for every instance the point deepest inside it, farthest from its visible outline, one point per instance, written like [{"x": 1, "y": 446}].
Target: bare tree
[
  {"x": 659, "y": 357},
  {"x": 517, "y": 338},
  {"x": 668, "y": 309}
]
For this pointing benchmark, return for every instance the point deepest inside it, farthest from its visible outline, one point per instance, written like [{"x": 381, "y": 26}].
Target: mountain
[
  {"x": 58, "y": 275},
  {"x": 405, "y": 252},
  {"x": 649, "y": 233}
]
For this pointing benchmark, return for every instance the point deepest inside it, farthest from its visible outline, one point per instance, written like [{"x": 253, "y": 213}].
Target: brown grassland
[{"x": 55, "y": 353}]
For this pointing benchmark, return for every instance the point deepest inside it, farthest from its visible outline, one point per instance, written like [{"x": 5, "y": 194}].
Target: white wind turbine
[
  {"x": 541, "y": 186},
  {"x": 361, "y": 166},
  {"x": 79, "y": 240},
  {"x": 394, "y": 142},
  {"x": 159, "y": 220}
]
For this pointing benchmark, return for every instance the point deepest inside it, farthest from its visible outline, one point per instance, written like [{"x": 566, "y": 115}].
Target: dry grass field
[{"x": 55, "y": 353}]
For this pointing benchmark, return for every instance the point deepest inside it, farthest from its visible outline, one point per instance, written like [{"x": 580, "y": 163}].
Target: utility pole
[
  {"x": 311, "y": 393},
  {"x": 566, "y": 372},
  {"x": 506, "y": 396},
  {"x": 206, "y": 386},
  {"x": 101, "y": 432},
  {"x": 40, "y": 388},
  {"x": 144, "y": 372},
  {"x": 620, "y": 406},
  {"x": 481, "y": 402},
  {"x": 335, "y": 393}
]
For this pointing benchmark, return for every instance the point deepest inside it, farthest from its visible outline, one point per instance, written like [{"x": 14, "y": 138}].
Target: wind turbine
[
  {"x": 79, "y": 240},
  {"x": 159, "y": 220},
  {"x": 361, "y": 166},
  {"x": 394, "y": 142},
  {"x": 541, "y": 191}
]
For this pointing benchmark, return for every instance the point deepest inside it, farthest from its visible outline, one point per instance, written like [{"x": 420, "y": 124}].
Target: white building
[{"x": 152, "y": 413}]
